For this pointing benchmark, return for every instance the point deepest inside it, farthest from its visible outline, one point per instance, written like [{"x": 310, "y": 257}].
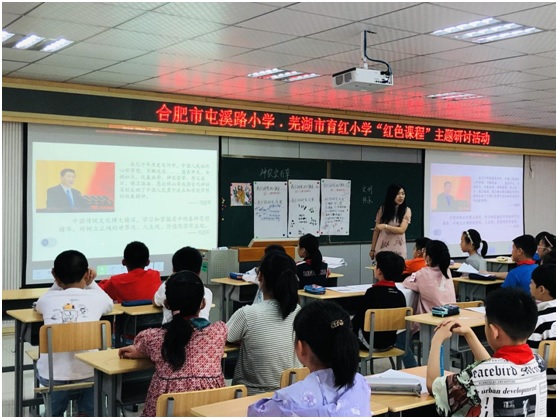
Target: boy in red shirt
[
  {"x": 417, "y": 262},
  {"x": 138, "y": 283}
]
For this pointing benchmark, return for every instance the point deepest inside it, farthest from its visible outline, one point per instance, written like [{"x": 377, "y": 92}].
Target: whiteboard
[
  {"x": 304, "y": 207},
  {"x": 336, "y": 207},
  {"x": 270, "y": 209}
]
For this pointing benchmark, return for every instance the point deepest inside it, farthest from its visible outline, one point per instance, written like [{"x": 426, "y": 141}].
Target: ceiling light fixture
[
  {"x": 486, "y": 30},
  {"x": 278, "y": 74},
  {"x": 454, "y": 96},
  {"x": 6, "y": 35},
  {"x": 28, "y": 42},
  {"x": 56, "y": 45}
]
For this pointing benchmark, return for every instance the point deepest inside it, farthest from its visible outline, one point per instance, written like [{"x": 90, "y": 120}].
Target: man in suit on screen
[
  {"x": 446, "y": 201},
  {"x": 64, "y": 197}
]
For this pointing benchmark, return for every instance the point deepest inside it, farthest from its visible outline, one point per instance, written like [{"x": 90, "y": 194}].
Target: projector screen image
[
  {"x": 91, "y": 185},
  {"x": 98, "y": 190},
  {"x": 473, "y": 191}
]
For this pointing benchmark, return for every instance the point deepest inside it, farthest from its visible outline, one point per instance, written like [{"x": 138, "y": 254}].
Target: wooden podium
[{"x": 255, "y": 250}]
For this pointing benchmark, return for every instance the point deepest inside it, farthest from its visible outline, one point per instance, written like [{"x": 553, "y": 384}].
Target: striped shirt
[
  {"x": 545, "y": 330},
  {"x": 267, "y": 345}
]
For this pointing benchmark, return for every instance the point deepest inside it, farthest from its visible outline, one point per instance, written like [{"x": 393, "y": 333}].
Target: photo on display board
[{"x": 75, "y": 186}]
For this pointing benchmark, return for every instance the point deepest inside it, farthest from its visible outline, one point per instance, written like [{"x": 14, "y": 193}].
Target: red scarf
[{"x": 518, "y": 354}]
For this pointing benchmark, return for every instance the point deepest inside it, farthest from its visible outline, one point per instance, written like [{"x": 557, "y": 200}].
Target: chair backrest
[
  {"x": 469, "y": 304},
  {"x": 547, "y": 349},
  {"x": 70, "y": 337},
  {"x": 292, "y": 375},
  {"x": 179, "y": 404},
  {"x": 386, "y": 319}
]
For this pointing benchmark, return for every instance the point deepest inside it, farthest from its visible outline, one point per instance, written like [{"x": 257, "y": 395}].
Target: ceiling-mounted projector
[{"x": 361, "y": 80}]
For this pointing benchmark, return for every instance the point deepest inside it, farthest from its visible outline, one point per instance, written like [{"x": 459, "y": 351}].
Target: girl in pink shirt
[{"x": 433, "y": 282}]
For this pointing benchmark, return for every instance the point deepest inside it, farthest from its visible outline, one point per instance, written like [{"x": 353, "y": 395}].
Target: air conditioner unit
[{"x": 361, "y": 80}]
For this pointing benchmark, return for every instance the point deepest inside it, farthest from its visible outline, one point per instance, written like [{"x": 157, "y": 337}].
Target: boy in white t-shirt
[
  {"x": 185, "y": 259},
  {"x": 74, "y": 297}
]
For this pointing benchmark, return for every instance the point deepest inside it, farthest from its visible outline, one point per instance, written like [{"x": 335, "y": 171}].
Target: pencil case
[
  {"x": 445, "y": 310},
  {"x": 405, "y": 386},
  {"x": 236, "y": 275},
  {"x": 314, "y": 289}
]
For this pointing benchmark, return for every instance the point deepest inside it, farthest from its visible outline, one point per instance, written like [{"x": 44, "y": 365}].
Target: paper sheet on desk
[
  {"x": 333, "y": 263},
  {"x": 477, "y": 309},
  {"x": 251, "y": 276},
  {"x": 399, "y": 374},
  {"x": 466, "y": 268},
  {"x": 351, "y": 288}
]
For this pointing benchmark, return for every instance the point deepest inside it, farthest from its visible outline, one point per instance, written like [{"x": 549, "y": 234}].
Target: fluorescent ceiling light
[
  {"x": 56, "y": 45},
  {"x": 465, "y": 26},
  {"x": 486, "y": 30},
  {"x": 28, "y": 42},
  {"x": 506, "y": 35},
  {"x": 454, "y": 96},
  {"x": 6, "y": 35},
  {"x": 282, "y": 75}
]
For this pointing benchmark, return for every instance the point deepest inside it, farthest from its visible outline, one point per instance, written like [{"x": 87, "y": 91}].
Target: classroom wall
[{"x": 540, "y": 193}]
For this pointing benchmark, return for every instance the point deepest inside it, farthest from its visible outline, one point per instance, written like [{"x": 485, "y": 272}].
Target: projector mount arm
[{"x": 365, "y": 56}]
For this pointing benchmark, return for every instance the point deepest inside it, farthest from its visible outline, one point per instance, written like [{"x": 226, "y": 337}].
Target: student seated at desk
[
  {"x": 74, "y": 297},
  {"x": 185, "y": 259},
  {"x": 543, "y": 290},
  {"x": 265, "y": 330},
  {"x": 417, "y": 262},
  {"x": 325, "y": 344},
  {"x": 187, "y": 352},
  {"x": 471, "y": 242},
  {"x": 312, "y": 270},
  {"x": 383, "y": 294},
  {"x": 136, "y": 284},
  {"x": 546, "y": 243},
  {"x": 512, "y": 382},
  {"x": 271, "y": 248},
  {"x": 523, "y": 249},
  {"x": 433, "y": 283}
]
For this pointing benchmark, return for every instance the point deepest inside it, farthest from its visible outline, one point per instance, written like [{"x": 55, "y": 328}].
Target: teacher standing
[{"x": 392, "y": 220}]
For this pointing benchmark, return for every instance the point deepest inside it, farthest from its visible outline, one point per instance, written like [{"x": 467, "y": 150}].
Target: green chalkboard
[
  {"x": 369, "y": 182},
  {"x": 236, "y": 223}
]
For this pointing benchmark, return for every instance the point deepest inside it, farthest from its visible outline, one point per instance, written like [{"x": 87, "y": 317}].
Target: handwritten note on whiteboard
[
  {"x": 336, "y": 206},
  {"x": 304, "y": 207},
  {"x": 270, "y": 209}
]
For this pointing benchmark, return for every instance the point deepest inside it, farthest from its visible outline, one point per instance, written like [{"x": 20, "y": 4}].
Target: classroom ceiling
[{"x": 207, "y": 49}]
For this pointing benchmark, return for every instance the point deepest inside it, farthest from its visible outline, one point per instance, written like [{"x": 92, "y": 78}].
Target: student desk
[
  {"x": 428, "y": 323},
  {"x": 239, "y": 407},
  {"x": 508, "y": 263},
  {"x": 27, "y": 325},
  {"x": 233, "y": 284},
  {"x": 475, "y": 289},
  {"x": 397, "y": 403},
  {"x": 146, "y": 315},
  {"x": 109, "y": 368}
]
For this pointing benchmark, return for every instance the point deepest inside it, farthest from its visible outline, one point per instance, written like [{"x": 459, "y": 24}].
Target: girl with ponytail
[
  {"x": 476, "y": 247},
  {"x": 312, "y": 270},
  {"x": 187, "y": 351},
  {"x": 433, "y": 282},
  {"x": 265, "y": 330},
  {"x": 326, "y": 345}
]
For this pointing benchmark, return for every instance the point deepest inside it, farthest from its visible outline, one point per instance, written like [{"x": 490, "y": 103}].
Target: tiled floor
[{"x": 8, "y": 405}]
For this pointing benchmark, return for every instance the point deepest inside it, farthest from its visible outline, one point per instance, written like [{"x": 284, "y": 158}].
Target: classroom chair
[
  {"x": 468, "y": 304},
  {"x": 292, "y": 375},
  {"x": 179, "y": 404},
  {"x": 547, "y": 350},
  {"x": 70, "y": 337},
  {"x": 384, "y": 320}
]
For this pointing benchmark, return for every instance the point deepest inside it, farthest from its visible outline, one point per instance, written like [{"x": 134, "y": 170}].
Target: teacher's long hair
[{"x": 389, "y": 212}]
